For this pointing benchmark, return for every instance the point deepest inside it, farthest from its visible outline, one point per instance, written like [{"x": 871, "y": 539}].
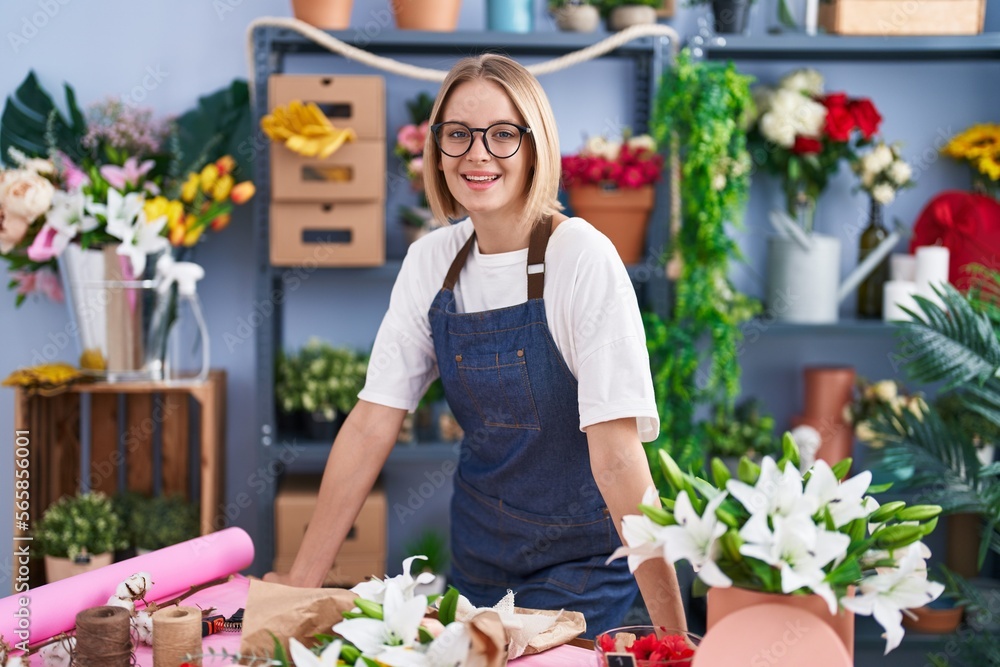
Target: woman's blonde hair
[{"x": 529, "y": 99}]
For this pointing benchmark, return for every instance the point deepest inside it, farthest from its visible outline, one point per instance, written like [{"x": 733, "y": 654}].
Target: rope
[{"x": 392, "y": 66}]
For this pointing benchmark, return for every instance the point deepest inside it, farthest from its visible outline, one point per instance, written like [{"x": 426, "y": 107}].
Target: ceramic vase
[
  {"x": 621, "y": 214},
  {"x": 510, "y": 15},
  {"x": 827, "y": 391},
  {"x": 577, "y": 18}
]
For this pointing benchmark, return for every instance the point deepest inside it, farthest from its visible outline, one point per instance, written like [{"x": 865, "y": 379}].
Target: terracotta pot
[
  {"x": 577, "y": 18},
  {"x": 964, "y": 533},
  {"x": 934, "y": 621},
  {"x": 621, "y": 214},
  {"x": 57, "y": 569},
  {"x": 827, "y": 391},
  {"x": 630, "y": 15},
  {"x": 725, "y": 601},
  {"x": 325, "y": 14},
  {"x": 433, "y": 15}
]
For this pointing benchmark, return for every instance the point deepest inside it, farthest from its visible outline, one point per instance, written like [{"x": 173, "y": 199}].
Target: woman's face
[{"x": 484, "y": 185}]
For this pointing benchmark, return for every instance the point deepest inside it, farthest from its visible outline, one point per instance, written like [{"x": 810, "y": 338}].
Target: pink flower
[
  {"x": 129, "y": 174},
  {"x": 42, "y": 281},
  {"x": 46, "y": 245},
  {"x": 411, "y": 138},
  {"x": 72, "y": 175}
]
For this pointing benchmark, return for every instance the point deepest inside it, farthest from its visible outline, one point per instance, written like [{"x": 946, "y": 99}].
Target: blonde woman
[{"x": 531, "y": 322}]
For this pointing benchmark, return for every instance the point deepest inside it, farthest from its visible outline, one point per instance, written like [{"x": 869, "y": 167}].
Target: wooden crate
[
  {"x": 903, "y": 17},
  {"x": 124, "y": 416},
  {"x": 331, "y": 234}
]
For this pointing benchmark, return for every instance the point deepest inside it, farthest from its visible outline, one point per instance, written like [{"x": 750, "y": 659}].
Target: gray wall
[{"x": 111, "y": 47}]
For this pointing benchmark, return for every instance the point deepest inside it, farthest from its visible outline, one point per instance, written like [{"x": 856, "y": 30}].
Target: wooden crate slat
[
  {"x": 176, "y": 444},
  {"x": 139, "y": 443},
  {"x": 105, "y": 459}
]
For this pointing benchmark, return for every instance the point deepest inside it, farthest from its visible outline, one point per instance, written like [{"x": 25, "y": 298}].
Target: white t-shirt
[{"x": 590, "y": 305}]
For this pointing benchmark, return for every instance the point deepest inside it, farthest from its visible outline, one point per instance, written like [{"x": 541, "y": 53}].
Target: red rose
[
  {"x": 839, "y": 123},
  {"x": 865, "y": 115},
  {"x": 834, "y": 100},
  {"x": 805, "y": 145}
]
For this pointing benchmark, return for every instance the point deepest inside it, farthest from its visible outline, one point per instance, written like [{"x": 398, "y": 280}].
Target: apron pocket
[{"x": 498, "y": 386}]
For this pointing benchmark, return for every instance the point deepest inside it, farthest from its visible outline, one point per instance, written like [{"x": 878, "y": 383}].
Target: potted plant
[
  {"x": 730, "y": 17},
  {"x": 323, "y": 381},
  {"x": 162, "y": 521},
  {"x": 701, "y": 114},
  {"x": 434, "y": 549},
  {"x": 432, "y": 15},
  {"x": 610, "y": 184},
  {"x": 324, "y": 14},
  {"x": 621, "y": 14},
  {"x": 77, "y": 534},
  {"x": 575, "y": 15},
  {"x": 410, "y": 140},
  {"x": 772, "y": 535},
  {"x": 745, "y": 430}
]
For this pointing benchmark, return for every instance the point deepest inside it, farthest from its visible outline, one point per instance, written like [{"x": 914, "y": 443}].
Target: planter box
[
  {"x": 330, "y": 234},
  {"x": 903, "y": 17}
]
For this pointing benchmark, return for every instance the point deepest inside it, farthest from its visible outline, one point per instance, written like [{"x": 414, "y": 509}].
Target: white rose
[
  {"x": 883, "y": 193},
  {"x": 867, "y": 179},
  {"x": 900, "y": 172},
  {"x": 885, "y": 390},
  {"x": 881, "y": 158},
  {"x": 810, "y": 116},
  {"x": 807, "y": 81},
  {"x": 778, "y": 129},
  {"x": 643, "y": 142},
  {"x": 25, "y": 194},
  {"x": 595, "y": 146},
  {"x": 611, "y": 150},
  {"x": 12, "y": 230}
]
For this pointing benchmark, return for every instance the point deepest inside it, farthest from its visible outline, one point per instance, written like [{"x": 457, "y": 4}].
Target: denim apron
[{"x": 526, "y": 513}]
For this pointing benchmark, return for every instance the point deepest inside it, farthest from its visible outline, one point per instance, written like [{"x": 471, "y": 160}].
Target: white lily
[
  {"x": 401, "y": 619},
  {"x": 884, "y": 596},
  {"x": 644, "y": 538},
  {"x": 799, "y": 549},
  {"x": 776, "y": 493},
  {"x": 127, "y": 221},
  {"x": 68, "y": 217},
  {"x": 845, "y": 500},
  {"x": 303, "y": 657},
  {"x": 449, "y": 649},
  {"x": 696, "y": 539},
  {"x": 374, "y": 590}
]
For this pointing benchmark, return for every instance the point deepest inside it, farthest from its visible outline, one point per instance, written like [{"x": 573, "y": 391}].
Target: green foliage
[
  {"x": 432, "y": 545},
  {"x": 556, "y": 4},
  {"x": 606, "y": 6},
  {"x": 32, "y": 124},
  {"x": 157, "y": 522},
  {"x": 701, "y": 112},
  {"x": 320, "y": 378},
  {"x": 743, "y": 430},
  {"x": 83, "y": 524},
  {"x": 420, "y": 108}
]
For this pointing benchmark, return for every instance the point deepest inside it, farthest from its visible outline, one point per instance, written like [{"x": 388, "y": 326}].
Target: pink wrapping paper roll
[{"x": 52, "y": 608}]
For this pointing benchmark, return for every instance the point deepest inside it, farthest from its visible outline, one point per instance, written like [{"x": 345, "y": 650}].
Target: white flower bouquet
[
  {"x": 775, "y": 530},
  {"x": 883, "y": 173}
]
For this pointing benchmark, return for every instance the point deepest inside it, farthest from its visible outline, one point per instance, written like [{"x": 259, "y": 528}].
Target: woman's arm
[
  {"x": 619, "y": 464},
  {"x": 358, "y": 454}
]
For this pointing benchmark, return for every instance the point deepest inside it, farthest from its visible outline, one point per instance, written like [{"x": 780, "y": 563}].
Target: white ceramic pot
[
  {"x": 802, "y": 284},
  {"x": 630, "y": 15},
  {"x": 577, "y": 18}
]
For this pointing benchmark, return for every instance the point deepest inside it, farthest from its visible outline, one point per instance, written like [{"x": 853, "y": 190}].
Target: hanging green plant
[{"x": 702, "y": 113}]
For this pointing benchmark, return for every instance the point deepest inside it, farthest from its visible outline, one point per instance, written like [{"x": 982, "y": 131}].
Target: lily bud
[
  {"x": 919, "y": 513},
  {"x": 897, "y": 537},
  {"x": 671, "y": 471},
  {"x": 887, "y": 511}
]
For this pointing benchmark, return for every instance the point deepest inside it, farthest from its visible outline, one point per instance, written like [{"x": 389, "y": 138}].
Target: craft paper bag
[
  {"x": 288, "y": 611},
  {"x": 568, "y": 626}
]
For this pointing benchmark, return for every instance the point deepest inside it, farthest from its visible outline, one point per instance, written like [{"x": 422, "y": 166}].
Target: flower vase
[
  {"x": 510, "y": 15},
  {"x": 324, "y": 14},
  {"x": 111, "y": 311},
  {"x": 801, "y": 206},
  {"x": 621, "y": 214},
  {"x": 744, "y": 625},
  {"x": 828, "y": 390},
  {"x": 431, "y": 15}
]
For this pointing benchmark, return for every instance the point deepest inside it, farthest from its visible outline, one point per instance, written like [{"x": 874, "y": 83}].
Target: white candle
[
  {"x": 932, "y": 271},
  {"x": 812, "y": 16},
  {"x": 896, "y": 295},
  {"x": 902, "y": 267}
]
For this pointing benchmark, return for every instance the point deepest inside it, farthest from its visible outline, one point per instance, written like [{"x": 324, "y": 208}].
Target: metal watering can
[{"x": 803, "y": 272}]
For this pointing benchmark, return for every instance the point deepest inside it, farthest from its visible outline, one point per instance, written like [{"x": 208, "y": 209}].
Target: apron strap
[{"x": 536, "y": 259}]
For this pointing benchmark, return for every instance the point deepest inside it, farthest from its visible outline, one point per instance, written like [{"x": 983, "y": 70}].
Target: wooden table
[{"x": 112, "y": 430}]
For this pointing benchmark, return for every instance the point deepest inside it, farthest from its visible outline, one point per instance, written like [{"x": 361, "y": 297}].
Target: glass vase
[
  {"x": 801, "y": 206},
  {"x": 793, "y": 16}
]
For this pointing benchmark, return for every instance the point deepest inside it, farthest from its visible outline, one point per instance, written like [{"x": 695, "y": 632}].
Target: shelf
[
  {"x": 850, "y": 48},
  {"x": 309, "y": 457},
  {"x": 416, "y": 42},
  {"x": 845, "y": 326}
]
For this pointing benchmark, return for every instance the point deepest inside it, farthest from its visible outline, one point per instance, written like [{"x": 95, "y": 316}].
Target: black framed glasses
[{"x": 501, "y": 140}]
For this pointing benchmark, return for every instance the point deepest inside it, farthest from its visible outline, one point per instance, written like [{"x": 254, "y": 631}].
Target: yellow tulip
[
  {"x": 209, "y": 175},
  {"x": 190, "y": 187},
  {"x": 155, "y": 208},
  {"x": 222, "y": 188},
  {"x": 220, "y": 222},
  {"x": 191, "y": 236},
  {"x": 225, "y": 164},
  {"x": 175, "y": 213}
]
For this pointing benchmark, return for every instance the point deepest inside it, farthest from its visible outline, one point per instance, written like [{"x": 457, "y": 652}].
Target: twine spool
[
  {"x": 103, "y": 638},
  {"x": 176, "y": 634}
]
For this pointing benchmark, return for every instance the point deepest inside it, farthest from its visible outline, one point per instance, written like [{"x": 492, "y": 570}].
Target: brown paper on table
[
  {"x": 568, "y": 626},
  {"x": 288, "y": 611}
]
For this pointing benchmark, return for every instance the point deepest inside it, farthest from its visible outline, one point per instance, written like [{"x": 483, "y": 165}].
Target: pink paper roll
[{"x": 44, "y": 612}]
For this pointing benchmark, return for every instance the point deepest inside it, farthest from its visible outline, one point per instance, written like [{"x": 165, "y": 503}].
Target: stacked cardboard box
[
  {"x": 363, "y": 553},
  {"x": 331, "y": 211}
]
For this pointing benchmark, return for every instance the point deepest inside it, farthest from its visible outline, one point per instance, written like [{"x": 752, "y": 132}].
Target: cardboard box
[
  {"x": 345, "y": 573},
  {"x": 356, "y": 172},
  {"x": 328, "y": 234},
  {"x": 357, "y": 102},
  {"x": 294, "y": 505},
  {"x": 903, "y": 17}
]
